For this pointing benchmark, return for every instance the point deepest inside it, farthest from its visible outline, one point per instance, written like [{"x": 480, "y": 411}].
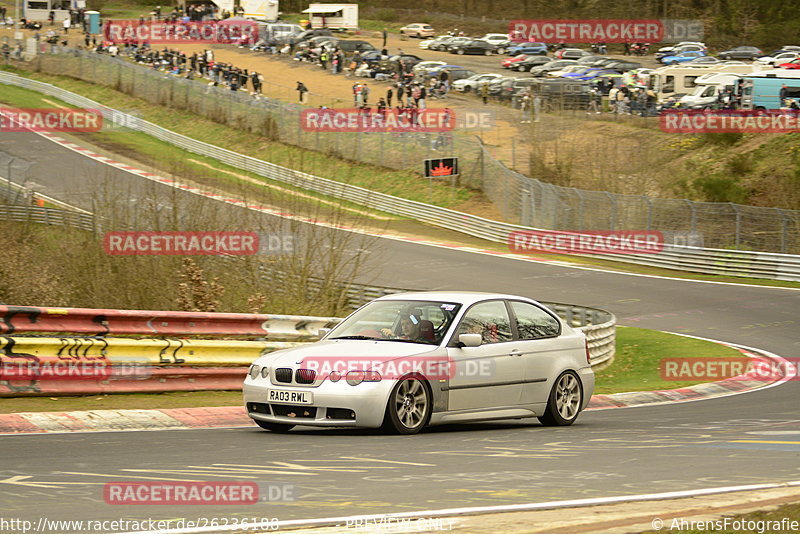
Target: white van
[
  {"x": 675, "y": 80},
  {"x": 708, "y": 88}
]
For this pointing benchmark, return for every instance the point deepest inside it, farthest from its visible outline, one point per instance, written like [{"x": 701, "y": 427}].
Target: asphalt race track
[{"x": 743, "y": 439}]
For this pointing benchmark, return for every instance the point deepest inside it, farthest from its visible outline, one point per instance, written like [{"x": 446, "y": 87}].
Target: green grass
[
  {"x": 639, "y": 353},
  {"x": 634, "y": 369}
]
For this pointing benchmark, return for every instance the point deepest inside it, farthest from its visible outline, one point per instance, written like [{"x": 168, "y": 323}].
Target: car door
[
  {"x": 539, "y": 347},
  {"x": 488, "y": 375}
]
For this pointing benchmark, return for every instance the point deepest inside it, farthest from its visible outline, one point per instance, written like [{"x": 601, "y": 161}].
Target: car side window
[
  {"x": 533, "y": 322},
  {"x": 490, "y": 319}
]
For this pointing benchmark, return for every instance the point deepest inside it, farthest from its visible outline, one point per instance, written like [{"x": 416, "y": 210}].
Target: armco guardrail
[
  {"x": 170, "y": 364},
  {"x": 715, "y": 261},
  {"x": 97, "y": 322}
]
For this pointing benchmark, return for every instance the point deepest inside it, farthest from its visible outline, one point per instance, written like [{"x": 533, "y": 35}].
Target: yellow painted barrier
[{"x": 123, "y": 351}]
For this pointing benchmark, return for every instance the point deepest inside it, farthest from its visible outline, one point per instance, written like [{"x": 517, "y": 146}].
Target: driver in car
[{"x": 409, "y": 329}]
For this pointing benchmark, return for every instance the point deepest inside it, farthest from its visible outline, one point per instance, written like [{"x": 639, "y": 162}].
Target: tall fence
[{"x": 521, "y": 200}]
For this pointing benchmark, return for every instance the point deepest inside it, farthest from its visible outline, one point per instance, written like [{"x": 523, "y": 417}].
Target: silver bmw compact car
[{"x": 409, "y": 360}]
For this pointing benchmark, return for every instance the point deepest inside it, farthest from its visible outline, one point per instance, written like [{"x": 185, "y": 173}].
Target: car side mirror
[
  {"x": 470, "y": 340},
  {"x": 322, "y": 332}
]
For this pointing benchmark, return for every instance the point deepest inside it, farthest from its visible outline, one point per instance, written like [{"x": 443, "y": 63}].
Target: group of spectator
[
  {"x": 190, "y": 66},
  {"x": 626, "y": 100}
]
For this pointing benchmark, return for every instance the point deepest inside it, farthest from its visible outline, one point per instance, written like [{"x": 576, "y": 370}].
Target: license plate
[{"x": 290, "y": 397}]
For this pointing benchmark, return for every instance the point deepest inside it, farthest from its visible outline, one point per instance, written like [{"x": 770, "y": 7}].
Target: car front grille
[
  {"x": 300, "y": 412},
  {"x": 283, "y": 374},
  {"x": 305, "y": 376}
]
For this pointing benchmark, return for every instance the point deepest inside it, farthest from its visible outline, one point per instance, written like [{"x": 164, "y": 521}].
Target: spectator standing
[
  {"x": 301, "y": 91},
  {"x": 422, "y": 94},
  {"x": 485, "y": 93},
  {"x": 385, "y": 35},
  {"x": 525, "y": 107},
  {"x": 66, "y": 24},
  {"x": 365, "y": 94},
  {"x": 389, "y": 95}
]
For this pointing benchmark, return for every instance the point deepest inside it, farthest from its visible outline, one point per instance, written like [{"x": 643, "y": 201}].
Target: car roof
[{"x": 462, "y": 297}]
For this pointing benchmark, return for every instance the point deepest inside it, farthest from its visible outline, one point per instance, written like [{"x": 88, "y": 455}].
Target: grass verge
[
  {"x": 639, "y": 353},
  {"x": 635, "y": 368}
]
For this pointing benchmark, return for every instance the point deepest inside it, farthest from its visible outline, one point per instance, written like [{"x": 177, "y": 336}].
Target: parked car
[
  {"x": 509, "y": 62},
  {"x": 683, "y": 46},
  {"x": 794, "y": 64},
  {"x": 558, "y": 64},
  {"x": 438, "y": 44},
  {"x": 448, "y": 46},
  {"x": 569, "y": 69},
  {"x": 531, "y": 62},
  {"x": 588, "y": 60},
  {"x": 778, "y": 58},
  {"x": 682, "y": 57},
  {"x": 571, "y": 53},
  {"x": 455, "y": 72},
  {"x": 475, "y": 46},
  {"x": 401, "y": 362},
  {"x": 531, "y": 49},
  {"x": 418, "y": 30},
  {"x": 427, "y": 43},
  {"x": 472, "y": 83},
  {"x": 349, "y": 46},
  {"x": 741, "y": 52},
  {"x": 499, "y": 40},
  {"x": 704, "y": 60},
  {"x": 622, "y": 66},
  {"x": 423, "y": 67}
]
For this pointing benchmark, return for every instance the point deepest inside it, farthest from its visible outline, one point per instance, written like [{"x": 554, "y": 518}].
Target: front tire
[
  {"x": 501, "y": 50},
  {"x": 280, "y": 428},
  {"x": 487, "y": 53},
  {"x": 564, "y": 403},
  {"x": 409, "y": 407},
  {"x": 460, "y": 51}
]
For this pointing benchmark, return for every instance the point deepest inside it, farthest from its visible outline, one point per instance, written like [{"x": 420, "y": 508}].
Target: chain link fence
[{"x": 520, "y": 199}]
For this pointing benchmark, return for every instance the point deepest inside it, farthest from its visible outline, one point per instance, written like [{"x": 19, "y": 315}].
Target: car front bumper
[{"x": 331, "y": 402}]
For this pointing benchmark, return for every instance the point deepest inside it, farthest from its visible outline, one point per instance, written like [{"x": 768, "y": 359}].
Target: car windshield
[{"x": 408, "y": 321}]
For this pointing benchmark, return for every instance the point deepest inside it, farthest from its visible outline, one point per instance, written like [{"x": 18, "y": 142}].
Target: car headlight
[
  {"x": 254, "y": 369},
  {"x": 354, "y": 378},
  {"x": 334, "y": 376},
  {"x": 264, "y": 372}
]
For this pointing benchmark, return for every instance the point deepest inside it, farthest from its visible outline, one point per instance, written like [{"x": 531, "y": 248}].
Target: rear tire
[
  {"x": 460, "y": 51},
  {"x": 280, "y": 428},
  {"x": 564, "y": 403},
  {"x": 501, "y": 50},
  {"x": 487, "y": 53}
]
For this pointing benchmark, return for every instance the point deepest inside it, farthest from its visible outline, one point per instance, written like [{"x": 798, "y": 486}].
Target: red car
[
  {"x": 508, "y": 63},
  {"x": 793, "y": 64}
]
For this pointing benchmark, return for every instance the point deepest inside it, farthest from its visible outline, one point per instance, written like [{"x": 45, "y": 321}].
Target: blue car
[
  {"x": 531, "y": 49},
  {"x": 597, "y": 74},
  {"x": 683, "y": 57},
  {"x": 589, "y": 71}
]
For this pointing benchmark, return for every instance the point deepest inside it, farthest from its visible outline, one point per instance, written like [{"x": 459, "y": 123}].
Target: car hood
[{"x": 344, "y": 349}]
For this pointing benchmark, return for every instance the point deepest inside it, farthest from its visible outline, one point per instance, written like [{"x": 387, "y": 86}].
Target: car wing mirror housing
[
  {"x": 470, "y": 340},
  {"x": 322, "y": 332}
]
